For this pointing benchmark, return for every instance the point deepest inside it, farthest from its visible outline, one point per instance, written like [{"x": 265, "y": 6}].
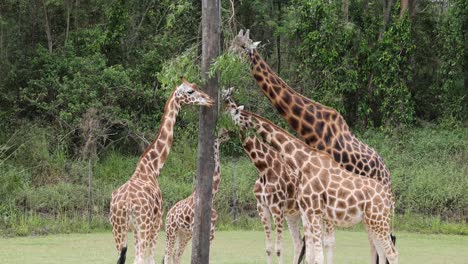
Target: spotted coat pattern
[
  {"x": 275, "y": 191},
  {"x": 180, "y": 218},
  {"x": 137, "y": 204},
  {"x": 326, "y": 191}
]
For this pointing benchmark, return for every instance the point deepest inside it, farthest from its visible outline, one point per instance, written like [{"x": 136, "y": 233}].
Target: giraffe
[
  {"x": 137, "y": 204},
  {"x": 319, "y": 126},
  {"x": 180, "y": 218},
  {"x": 327, "y": 191},
  {"x": 275, "y": 192}
]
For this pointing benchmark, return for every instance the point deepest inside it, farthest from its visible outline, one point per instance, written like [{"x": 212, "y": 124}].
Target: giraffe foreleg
[
  {"x": 278, "y": 217},
  {"x": 293, "y": 224},
  {"x": 317, "y": 238},
  {"x": 373, "y": 252},
  {"x": 329, "y": 240},
  {"x": 386, "y": 251},
  {"x": 391, "y": 252},
  {"x": 214, "y": 218},
  {"x": 266, "y": 221},
  {"x": 308, "y": 239}
]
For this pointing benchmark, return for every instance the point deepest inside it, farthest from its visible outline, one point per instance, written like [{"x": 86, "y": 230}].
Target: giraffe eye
[{"x": 191, "y": 92}]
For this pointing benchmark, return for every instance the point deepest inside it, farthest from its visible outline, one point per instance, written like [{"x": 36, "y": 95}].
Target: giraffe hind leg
[
  {"x": 329, "y": 240},
  {"x": 278, "y": 219},
  {"x": 184, "y": 238},
  {"x": 265, "y": 215},
  {"x": 119, "y": 230},
  {"x": 293, "y": 224},
  {"x": 170, "y": 244}
]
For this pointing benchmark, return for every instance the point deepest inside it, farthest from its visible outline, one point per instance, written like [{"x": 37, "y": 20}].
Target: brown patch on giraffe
[
  {"x": 311, "y": 140},
  {"x": 286, "y": 97},
  {"x": 297, "y": 111},
  {"x": 319, "y": 128},
  {"x": 281, "y": 138},
  {"x": 294, "y": 123},
  {"x": 258, "y": 77},
  {"x": 272, "y": 79}
]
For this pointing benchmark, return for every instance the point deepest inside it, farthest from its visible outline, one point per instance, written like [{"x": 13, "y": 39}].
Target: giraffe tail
[
  {"x": 301, "y": 255},
  {"x": 123, "y": 255}
]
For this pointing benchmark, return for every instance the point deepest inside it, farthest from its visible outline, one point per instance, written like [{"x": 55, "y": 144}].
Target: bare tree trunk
[
  {"x": 47, "y": 27},
  {"x": 413, "y": 4},
  {"x": 77, "y": 5},
  {"x": 1, "y": 40},
  {"x": 387, "y": 8},
  {"x": 278, "y": 42},
  {"x": 67, "y": 30},
  {"x": 211, "y": 21},
  {"x": 90, "y": 189},
  {"x": 403, "y": 7},
  {"x": 345, "y": 9}
]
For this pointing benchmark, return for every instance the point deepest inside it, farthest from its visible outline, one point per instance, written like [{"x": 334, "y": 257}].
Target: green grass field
[{"x": 228, "y": 247}]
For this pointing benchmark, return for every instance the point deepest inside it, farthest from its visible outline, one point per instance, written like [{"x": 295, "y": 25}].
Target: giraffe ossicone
[{"x": 137, "y": 204}]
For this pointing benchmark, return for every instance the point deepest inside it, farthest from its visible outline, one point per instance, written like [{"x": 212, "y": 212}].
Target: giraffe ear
[
  {"x": 241, "y": 107},
  {"x": 255, "y": 44}
]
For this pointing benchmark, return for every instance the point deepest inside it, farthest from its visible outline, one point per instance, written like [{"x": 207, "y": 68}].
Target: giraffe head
[
  {"x": 233, "y": 110},
  {"x": 223, "y": 135},
  {"x": 242, "y": 44},
  {"x": 189, "y": 93}
]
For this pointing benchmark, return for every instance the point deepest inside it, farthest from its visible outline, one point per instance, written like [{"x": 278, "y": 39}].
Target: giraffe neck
[
  {"x": 217, "y": 170},
  {"x": 300, "y": 112},
  {"x": 257, "y": 151},
  {"x": 319, "y": 126},
  {"x": 155, "y": 155},
  {"x": 293, "y": 151}
]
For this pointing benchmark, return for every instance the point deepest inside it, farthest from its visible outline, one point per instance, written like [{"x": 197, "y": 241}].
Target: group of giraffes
[{"x": 326, "y": 177}]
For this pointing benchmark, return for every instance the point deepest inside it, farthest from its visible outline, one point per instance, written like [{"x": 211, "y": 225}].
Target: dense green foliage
[
  {"x": 429, "y": 179},
  {"x": 401, "y": 82}
]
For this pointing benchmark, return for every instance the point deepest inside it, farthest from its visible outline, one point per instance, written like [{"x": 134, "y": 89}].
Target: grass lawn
[{"x": 228, "y": 247}]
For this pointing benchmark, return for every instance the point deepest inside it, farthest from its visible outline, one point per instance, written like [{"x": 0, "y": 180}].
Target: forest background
[{"x": 83, "y": 85}]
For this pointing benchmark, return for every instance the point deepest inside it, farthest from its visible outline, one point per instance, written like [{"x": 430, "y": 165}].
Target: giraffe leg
[
  {"x": 278, "y": 218},
  {"x": 386, "y": 249},
  {"x": 317, "y": 238},
  {"x": 293, "y": 224},
  {"x": 373, "y": 255},
  {"x": 266, "y": 216},
  {"x": 170, "y": 243},
  {"x": 184, "y": 238},
  {"x": 119, "y": 230},
  {"x": 308, "y": 239},
  {"x": 138, "y": 258},
  {"x": 313, "y": 237},
  {"x": 329, "y": 241},
  {"x": 120, "y": 235},
  {"x": 152, "y": 239},
  {"x": 214, "y": 218}
]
